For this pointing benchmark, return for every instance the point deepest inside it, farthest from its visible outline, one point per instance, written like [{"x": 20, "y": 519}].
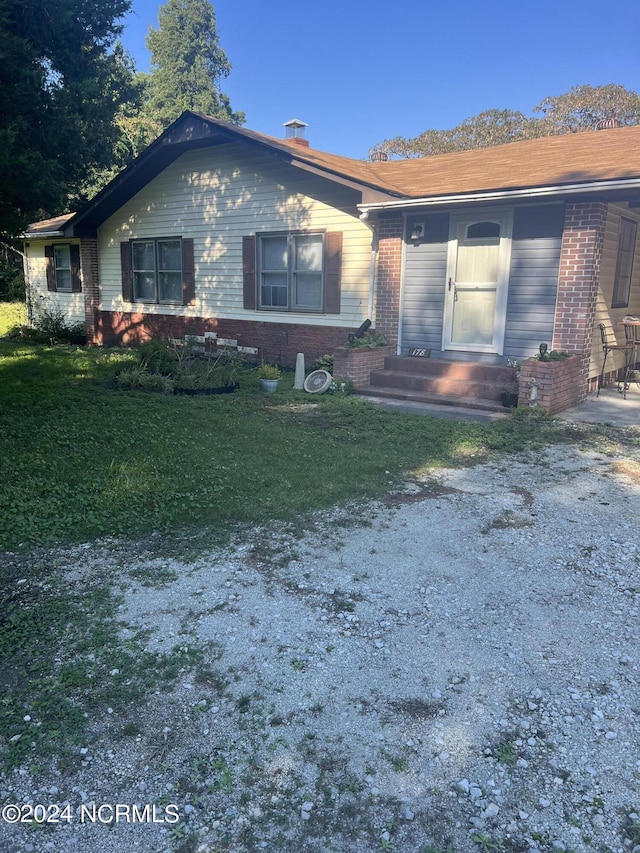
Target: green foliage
[
  {"x": 12, "y": 317},
  {"x": 164, "y": 366},
  {"x": 579, "y": 109},
  {"x": 369, "y": 340},
  {"x": 268, "y": 371},
  {"x": 325, "y": 362},
  {"x": 50, "y": 326},
  {"x": 187, "y": 64},
  {"x": 80, "y": 460},
  {"x": 12, "y": 285},
  {"x": 57, "y": 115},
  {"x": 552, "y": 355}
]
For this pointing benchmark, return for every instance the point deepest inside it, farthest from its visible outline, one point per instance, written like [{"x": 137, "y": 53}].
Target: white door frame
[{"x": 504, "y": 216}]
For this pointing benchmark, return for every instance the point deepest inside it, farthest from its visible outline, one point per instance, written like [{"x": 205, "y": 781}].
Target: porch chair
[{"x": 609, "y": 344}]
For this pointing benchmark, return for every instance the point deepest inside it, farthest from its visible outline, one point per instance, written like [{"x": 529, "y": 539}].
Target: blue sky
[{"x": 360, "y": 72}]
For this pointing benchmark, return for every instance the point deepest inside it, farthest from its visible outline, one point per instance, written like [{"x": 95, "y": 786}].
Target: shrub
[
  {"x": 51, "y": 327},
  {"x": 325, "y": 362},
  {"x": 369, "y": 339}
]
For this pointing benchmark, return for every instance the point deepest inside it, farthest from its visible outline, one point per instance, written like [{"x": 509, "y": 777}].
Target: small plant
[
  {"x": 325, "y": 362},
  {"x": 341, "y": 388},
  {"x": 268, "y": 371},
  {"x": 50, "y": 326},
  {"x": 553, "y": 355},
  {"x": 369, "y": 340}
]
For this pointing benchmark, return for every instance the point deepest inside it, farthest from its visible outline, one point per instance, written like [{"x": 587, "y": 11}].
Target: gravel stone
[{"x": 459, "y": 660}]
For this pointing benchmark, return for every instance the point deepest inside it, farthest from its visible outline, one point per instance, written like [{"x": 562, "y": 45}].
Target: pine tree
[{"x": 187, "y": 64}]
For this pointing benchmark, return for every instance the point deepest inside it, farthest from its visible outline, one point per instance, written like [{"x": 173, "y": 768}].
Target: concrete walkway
[{"x": 609, "y": 407}]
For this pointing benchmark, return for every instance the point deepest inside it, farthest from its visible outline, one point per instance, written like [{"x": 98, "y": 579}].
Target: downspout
[{"x": 364, "y": 217}]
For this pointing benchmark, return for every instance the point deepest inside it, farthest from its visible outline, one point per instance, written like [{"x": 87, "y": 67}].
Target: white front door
[{"x": 477, "y": 280}]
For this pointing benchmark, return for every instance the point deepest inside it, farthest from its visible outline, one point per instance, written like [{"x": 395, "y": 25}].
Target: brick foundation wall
[
  {"x": 355, "y": 364},
  {"x": 276, "y": 342},
  {"x": 560, "y": 383},
  {"x": 389, "y": 276},
  {"x": 578, "y": 279}
]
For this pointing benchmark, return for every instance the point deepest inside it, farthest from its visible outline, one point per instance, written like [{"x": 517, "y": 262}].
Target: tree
[
  {"x": 187, "y": 64},
  {"x": 584, "y": 106},
  {"x": 61, "y": 83},
  {"x": 579, "y": 109}
]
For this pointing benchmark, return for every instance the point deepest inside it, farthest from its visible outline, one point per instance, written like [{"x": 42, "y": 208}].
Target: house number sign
[{"x": 420, "y": 353}]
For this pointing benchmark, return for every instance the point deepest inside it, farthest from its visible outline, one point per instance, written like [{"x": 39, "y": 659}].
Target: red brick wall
[
  {"x": 90, "y": 286},
  {"x": 389, "y": 273},
  {"x": 560, "y": 384},
  {"x": 578, "y": 279},
  {"x": 276, "y": 342},
  {"x": 355, "y": 364}
]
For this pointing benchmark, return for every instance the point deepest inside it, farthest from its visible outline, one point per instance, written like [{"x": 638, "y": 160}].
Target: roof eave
[{"x": 505, "y": 194}]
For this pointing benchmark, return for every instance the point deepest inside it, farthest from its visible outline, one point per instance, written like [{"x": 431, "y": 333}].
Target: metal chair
[{"x": 609, "y": 344}]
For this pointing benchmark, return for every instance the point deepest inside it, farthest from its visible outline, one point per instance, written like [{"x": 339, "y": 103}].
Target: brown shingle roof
[
  {"x": 47, "y": 226},
  {"x": 550, "y": 161}
]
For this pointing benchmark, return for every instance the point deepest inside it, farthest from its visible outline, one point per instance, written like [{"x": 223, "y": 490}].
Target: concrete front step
[{"x": 475, "y": 403}]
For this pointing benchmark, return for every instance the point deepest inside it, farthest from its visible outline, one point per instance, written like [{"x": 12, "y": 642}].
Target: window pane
[
  {"x": 308, "y": 253},
  {"x": 142, "y": 256},
  {"x": 624, "y": 263},
  {"x": 170, "y": 286},
  {"x": 63, "y": 279},
  {"x": 308, "y": 291},
  {"x": 273, "y": 292},
  {"x": 62, "y": 255},
  {"x": 170, "y": 255},
  {"x": 144, "y": 286},
  {"x": 274, "y": 253},
  {"x": 483, "y": 230}
]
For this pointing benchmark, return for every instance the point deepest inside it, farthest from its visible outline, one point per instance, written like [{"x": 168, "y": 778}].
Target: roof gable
[{"x": 586, "y": 158}]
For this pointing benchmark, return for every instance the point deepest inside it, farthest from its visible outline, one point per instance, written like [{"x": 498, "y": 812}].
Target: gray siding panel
[
  {"x": 533, "y": 279},
  {"x": 425, "y": 271}
]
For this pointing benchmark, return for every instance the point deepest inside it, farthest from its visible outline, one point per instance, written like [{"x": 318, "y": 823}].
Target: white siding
[
  {"x": 218, "y": 195},
  {"x": 71, "y": 304}
]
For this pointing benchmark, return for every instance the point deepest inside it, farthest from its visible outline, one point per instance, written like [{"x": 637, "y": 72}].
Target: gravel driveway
[{"x": 455, "y": 669}]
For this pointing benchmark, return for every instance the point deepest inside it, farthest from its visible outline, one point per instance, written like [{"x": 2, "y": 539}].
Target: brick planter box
[
  {"x": 560, "y": 383},
  {"x": 354, "y": 364}
]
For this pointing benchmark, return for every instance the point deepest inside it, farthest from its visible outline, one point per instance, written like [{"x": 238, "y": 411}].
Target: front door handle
[{"x": 450, "y": 284}]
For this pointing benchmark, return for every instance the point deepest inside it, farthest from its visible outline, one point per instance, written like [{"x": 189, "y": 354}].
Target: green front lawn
[{"x": 80, "y": 459}]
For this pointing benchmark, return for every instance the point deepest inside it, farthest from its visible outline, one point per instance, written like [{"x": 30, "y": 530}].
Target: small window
[
  {"x": 624, "y": 263},
  {"x": 291, "y": 272},
  {"x": 63, "y": 268},
  {"x": 483, "y": 231}
]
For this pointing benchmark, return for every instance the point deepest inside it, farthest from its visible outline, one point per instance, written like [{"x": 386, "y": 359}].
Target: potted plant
[
  {"x": 509, "y": 394},
  {"x": 269, "y": 375}
]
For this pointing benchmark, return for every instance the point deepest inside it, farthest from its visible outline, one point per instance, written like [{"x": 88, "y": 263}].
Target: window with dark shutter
[
  {"x": 295, "y": 271},
  {"x": 158, "y": 270},
  {"x": 62, "y": 263}
]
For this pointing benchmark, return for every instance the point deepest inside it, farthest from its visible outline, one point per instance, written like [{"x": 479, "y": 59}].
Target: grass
[
  {"x": 12, "y": 314},
  {"x": 79, "y": 459}
]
